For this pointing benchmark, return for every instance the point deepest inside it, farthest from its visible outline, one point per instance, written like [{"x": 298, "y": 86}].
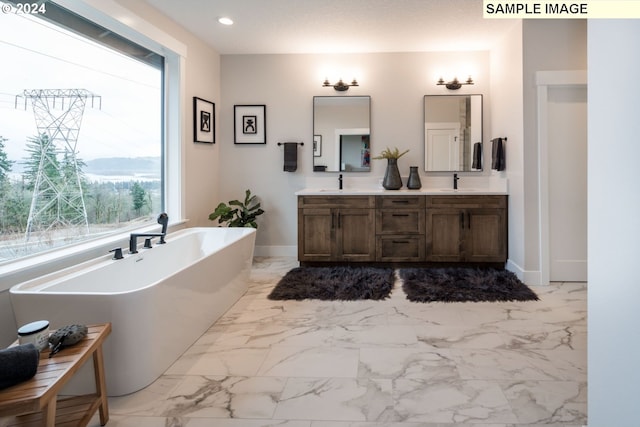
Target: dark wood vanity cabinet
[
  {"x": 400, "y": 225},
  {"x": 336, "y": 228},
  {"x": 466, "y": 229},
  {"x": 402, "y": 229}
]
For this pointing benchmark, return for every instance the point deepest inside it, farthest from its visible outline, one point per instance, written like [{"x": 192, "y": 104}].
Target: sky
[{"x": 37, "y": 55}]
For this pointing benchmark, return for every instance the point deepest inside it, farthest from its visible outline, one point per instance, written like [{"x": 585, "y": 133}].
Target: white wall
[
  {"x": 286, "y": 84},
  {"x": 614, "y": 223},
  {"x": 506, "y": 121}
]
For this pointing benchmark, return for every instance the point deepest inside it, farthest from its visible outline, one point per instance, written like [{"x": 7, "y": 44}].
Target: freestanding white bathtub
[{"x": 159, "y": 301}]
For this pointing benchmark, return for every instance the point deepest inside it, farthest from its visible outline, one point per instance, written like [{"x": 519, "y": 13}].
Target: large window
[{"x": 81, "y": 140}]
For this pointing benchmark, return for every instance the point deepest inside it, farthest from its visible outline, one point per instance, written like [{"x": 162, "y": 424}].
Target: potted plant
[
  {"x": 392, "y": 180},
  {"x": 237, "y": 213}
]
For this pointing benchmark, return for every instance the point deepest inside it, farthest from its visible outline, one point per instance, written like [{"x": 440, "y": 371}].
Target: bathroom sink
[
  {"x": 335, "y": 190},
  {"x": 451, "y": 190}
]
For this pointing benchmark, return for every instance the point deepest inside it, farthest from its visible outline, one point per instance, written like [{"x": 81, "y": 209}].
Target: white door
[
  {"x": 567, "y": 162},
  {"x": 442, "y": 152}
]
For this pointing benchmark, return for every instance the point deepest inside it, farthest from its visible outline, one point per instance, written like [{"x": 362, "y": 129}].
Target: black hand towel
[
  {"x": 477, "y": 156},
  {"x": 18, "y": 364},
  {"x": 498, "y": 160},
  {"x": 290, "y": 156}
]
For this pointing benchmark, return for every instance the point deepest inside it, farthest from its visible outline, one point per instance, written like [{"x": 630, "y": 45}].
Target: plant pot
[{"x": 392, "y": 180}]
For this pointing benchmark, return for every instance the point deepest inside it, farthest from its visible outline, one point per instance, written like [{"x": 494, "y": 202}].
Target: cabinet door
[
  {"x": 315, "y": 234},
  {"x": 355, "y": 235},
  {"x": 485, "y": 235},
  {"x": 444, "y": 235}
]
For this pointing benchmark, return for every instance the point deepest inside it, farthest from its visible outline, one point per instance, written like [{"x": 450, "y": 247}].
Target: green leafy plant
[
  {"x": 391, "y": 154},
  {"x": 237, "y": 213}
]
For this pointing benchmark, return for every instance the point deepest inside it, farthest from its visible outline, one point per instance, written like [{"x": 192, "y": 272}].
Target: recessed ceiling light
[{"x": 224, "y": 20}]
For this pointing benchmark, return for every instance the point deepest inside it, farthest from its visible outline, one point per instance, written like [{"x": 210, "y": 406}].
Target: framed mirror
[
  {"x": 453, "y": 133},
  {"x": 341, "y": 133}
]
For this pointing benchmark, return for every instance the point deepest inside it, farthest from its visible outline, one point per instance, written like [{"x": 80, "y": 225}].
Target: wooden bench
[{"x": 35, "y": 402}]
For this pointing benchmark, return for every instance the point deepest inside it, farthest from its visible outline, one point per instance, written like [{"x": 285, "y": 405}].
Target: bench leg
[
  {"x": 101, "y": 386},
  {"x": 49, "y": 412}
]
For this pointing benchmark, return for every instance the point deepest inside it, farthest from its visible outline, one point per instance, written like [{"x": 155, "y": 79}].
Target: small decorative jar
[
  {"x": 413, "y": 183},
  {"x": 36, "y": 333}
]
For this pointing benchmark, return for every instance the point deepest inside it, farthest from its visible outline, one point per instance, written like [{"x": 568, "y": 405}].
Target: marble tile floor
[{"x": 389, "y": 363}]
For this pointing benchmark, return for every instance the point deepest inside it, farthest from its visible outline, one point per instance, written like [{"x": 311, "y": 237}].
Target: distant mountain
[{"x": 123, "y": 166}]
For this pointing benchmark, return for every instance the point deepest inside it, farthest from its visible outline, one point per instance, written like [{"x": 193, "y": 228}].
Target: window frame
[{"x": 125, "y": 23}]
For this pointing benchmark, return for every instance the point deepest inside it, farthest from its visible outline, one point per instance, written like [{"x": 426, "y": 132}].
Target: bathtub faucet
[
  {"x": 133, "y": 240},
  {"x": 163, "y": 219},
  {"x": 117, "y": 253}
]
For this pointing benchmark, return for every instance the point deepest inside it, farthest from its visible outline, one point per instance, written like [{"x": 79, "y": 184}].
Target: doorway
[
  {"x": 567, "y": 161},
  {"x": 562, "y": 143}
]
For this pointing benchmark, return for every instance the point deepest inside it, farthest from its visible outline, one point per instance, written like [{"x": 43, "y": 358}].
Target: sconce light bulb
[{"x": 440, "y": 81}]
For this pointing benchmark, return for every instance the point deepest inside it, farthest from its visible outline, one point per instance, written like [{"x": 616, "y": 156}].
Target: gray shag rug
[
  {"x": 335, "y": 283},
  {"x": 463, "y": 284}
]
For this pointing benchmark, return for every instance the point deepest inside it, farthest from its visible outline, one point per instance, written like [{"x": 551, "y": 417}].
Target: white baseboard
[
  {"x": 531, "y": 277},
  {"x": 291, "y": 251}
]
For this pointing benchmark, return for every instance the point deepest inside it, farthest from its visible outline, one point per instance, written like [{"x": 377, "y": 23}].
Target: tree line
[{"x": 106, "y": 203}]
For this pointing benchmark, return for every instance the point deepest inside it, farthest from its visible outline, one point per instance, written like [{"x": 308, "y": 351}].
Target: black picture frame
[
  {"x": 204, "y": 121},
  {"x": 250, "y": 124}
]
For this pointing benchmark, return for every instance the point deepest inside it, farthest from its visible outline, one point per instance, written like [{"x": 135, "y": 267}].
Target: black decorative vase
[
  {"x": 392, "y": 180},
  {"x": 413, "y": 183}
]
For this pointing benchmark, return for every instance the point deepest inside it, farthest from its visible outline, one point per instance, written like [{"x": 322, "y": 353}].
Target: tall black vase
[{"x": 392, "y": 180}]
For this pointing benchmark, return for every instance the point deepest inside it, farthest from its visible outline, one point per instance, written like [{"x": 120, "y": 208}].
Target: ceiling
[{"x": 337, "y": 26}]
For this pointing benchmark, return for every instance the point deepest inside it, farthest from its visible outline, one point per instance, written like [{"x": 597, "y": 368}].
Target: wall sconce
[
  {"x": 340, "y": 86},
  {"x": 455, "y": 84}
]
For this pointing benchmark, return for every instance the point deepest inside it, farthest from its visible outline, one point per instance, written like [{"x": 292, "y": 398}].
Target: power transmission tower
[{"x": 58, "y": 203}]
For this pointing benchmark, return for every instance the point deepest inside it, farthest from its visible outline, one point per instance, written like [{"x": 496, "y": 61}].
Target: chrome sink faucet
[
  {"x": 455, "y": 181},
  {"x": 163, "y": 219}
]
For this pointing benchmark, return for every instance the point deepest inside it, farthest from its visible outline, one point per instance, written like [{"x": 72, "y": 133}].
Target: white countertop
[
  {"x": 401, "y": 192},
  {"x": 432, "y": 186}
]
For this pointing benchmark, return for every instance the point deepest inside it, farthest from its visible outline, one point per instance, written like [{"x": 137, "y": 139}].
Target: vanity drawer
[
  {"x": 399, "y": 202},
  {"x": 480, "y": 201},
  {"x": 365, "y": 202},
  {"x": 400, "y": 248},
  {"x": 400, "y": 221}
]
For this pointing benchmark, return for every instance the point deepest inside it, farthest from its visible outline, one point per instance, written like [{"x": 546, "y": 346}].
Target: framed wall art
[
  {"x": 204, "y": 121},
  {"x": 250, "y": 124}
]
